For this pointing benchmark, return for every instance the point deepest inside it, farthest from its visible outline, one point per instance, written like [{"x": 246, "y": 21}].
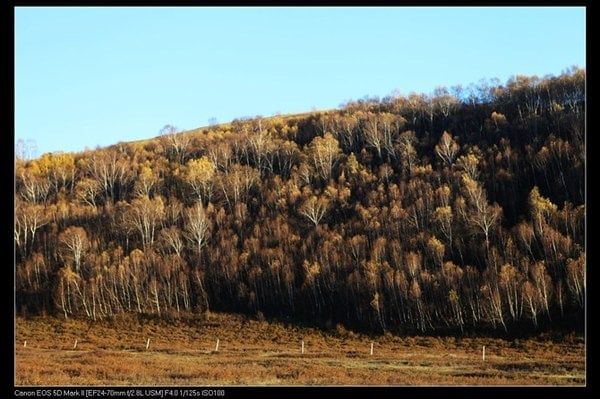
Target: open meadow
[{"x": 253, "y": 352}]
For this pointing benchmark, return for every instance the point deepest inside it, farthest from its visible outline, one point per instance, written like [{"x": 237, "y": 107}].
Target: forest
[{"x": 458, "y": 211}]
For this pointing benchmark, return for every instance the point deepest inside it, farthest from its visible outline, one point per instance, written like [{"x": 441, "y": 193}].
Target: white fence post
[
  {"x": 217, "y": 345},
  {"x": 25, "y": 344},
  {"x": 303, "y": 347},
  {"x": 147, "y": 343},
  {"x": 483, "y": 354},
  {"x": 371, "y": 348}
]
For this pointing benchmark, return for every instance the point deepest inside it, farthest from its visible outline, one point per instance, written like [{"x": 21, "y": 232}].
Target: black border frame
[{"x": 8, "y": 390}]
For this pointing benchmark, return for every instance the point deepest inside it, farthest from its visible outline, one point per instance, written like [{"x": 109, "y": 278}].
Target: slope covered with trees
[{"x": 460, "y": 210}]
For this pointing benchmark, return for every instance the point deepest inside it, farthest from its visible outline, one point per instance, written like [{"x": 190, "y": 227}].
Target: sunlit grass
[{"x": 264, "y": 353}]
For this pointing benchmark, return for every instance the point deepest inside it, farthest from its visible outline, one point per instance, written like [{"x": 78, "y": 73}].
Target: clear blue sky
[{"x": 96, "y": 76}]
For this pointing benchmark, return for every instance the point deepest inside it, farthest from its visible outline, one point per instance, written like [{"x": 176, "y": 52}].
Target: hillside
[{"x": 455, "y": 212}]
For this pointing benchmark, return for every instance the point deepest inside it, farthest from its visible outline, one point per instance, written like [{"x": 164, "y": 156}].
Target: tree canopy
[{"x": 421, "y": 213}]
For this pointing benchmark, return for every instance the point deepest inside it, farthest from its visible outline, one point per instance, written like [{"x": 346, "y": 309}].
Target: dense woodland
[{"x": 463, "y": 210}]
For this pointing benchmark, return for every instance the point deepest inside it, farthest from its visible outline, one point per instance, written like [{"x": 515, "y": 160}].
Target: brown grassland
[{"x": 268, "y": 353}]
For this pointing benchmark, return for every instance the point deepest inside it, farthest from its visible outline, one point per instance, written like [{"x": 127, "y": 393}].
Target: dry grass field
[{"x": 265, "y": 353}]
